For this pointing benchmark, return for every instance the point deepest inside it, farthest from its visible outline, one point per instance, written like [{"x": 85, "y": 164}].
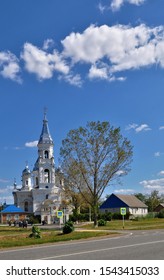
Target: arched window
[
  {"x": 46, "y": 196},
  {"x": 37, "y": 181},
  {"x": 26, "y": 206},
  {"x": 46, "y": 154},
  {"x": 46, "y": 176}
]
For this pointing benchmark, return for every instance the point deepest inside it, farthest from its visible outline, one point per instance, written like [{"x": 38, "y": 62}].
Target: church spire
[{"x": 45, "y": 137}]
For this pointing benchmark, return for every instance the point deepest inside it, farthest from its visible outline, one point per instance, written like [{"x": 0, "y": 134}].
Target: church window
[
  {"x": 46, "y": 176},
  {"x": 37, "y": 181},
  {"x": 46, "y": 155},
  {"x": 26, "y": 182},
  {"x": 26, "y": 206},
  {"x": 46, "y": 196}
]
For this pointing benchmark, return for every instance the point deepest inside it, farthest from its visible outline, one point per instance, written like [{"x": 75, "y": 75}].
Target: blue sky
[{"x": 85, "y": 60}]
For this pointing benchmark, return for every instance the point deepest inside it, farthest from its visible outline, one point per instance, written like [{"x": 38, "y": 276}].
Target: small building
[
  {"x": 132, "y": 204},
  {"x": 159, "y": 207},
  {"x": 12, "y": 213}
]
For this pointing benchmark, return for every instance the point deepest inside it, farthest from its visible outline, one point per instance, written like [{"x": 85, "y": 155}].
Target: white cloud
[
  {"x": 49, "y": 43},
  {"x": 157, "y": 154},
  {"x": 161, "y": 173},
  {"x": 157, "y": 184},
  {"x": 142, "y": 127},
  {"x": 101, "y": 8},
  {"x": 98, "y": 72},
  {"x": 3, "y": 181},
  {"x": 42, "y": 63},
  {"x": 124, "y": 191},
  {"x": 106, "y": 50},
  {"x": 6, "y": 194},
  {"x": 120, "y": 172},
  {"x": 161, "y": 128},
  {"x": 101, "y": 71},
  {"x": 6, "y": 189},
  {"x": 31, "y": 144},
  {"x": 131, "y": 126},
  {"x": 9, "y": 66},
  {"x": 74, "y": 80},
  {"x": 117, "y": 4},
  {"x": 117, "y": 48},
  {"x": 138, "y": 128}
]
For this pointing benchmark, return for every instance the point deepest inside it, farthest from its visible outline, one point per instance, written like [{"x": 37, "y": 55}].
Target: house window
[
  {"x": 16, "y": 217},
  {"x": 8, "y": 217}
]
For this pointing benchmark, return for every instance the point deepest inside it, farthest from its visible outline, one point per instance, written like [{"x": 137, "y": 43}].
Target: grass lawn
[
  {"x": 13, "y": 237},
  {"x": 140, "y": 224}
]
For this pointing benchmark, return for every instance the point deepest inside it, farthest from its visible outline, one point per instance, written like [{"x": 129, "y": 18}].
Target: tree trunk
[{"x": 95, "y": 214}]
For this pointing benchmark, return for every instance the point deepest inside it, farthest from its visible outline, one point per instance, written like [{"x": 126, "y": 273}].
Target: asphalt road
[{"x": 136, "y": 245}]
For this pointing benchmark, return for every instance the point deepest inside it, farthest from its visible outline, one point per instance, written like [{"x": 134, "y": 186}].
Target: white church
[{"x": 42, "y": 191}]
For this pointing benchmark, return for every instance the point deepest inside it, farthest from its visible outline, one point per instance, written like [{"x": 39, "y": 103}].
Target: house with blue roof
[
  {"x": 133, "y": 205},
  {"x": 12, "y": 213}
]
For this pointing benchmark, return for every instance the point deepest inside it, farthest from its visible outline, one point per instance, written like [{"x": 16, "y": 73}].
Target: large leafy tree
[
  {"x": 153, "y": 200},
  {"x": 92, "y": 158}
]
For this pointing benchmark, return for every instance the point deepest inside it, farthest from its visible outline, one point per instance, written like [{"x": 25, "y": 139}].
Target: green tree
[
  {"x": 141, "y": 197},
  {"x": 153, "y": 200},
  {"x": 93, "y": 157}
]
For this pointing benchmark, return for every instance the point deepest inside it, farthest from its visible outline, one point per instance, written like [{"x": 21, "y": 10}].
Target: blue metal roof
[
  {"x": 113, "y": 202},
  {"x": 45, "y": 136},
  {"x": 12, "y": 209},
  {"x": 119, "y": 200}
]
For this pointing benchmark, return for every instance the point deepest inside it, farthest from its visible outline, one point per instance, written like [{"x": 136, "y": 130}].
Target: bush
[
  {"x": 35, "y": 232},
  {"x": 105, "y": 216},
  {"x": 68, "y": 227},
  {"x": 81, "y": 217},
  {"x": 101, "y": 223},
  {"x": 118, "y": 216},
  {"x": 161, "y": 214}
]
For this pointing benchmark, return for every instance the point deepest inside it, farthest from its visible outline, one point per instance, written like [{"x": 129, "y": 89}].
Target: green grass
[
  {"x": 140, "y": 224},
  {"x": 11, "y": 237}
]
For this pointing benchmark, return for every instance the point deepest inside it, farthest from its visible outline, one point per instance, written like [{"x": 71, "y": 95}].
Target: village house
[{"x": 133, "y": 205}]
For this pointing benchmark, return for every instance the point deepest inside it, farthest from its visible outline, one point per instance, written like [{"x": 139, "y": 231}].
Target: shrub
[
  {"x": 105, "y": 216},
  {"x": 161, "y": 214},
  {"x": 68, "y": 227},
  {"x": 101, "y": 222},
  {"x": 35, "y": 232},
  {"x": 118, "y": 216},
  {"x": 81, "y": 217}
]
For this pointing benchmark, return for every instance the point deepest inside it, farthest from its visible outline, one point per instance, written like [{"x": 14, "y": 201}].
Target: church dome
[{"x": 26, "y": 171}]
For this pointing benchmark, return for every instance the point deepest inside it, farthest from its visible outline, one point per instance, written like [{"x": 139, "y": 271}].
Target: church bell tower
[{"x": 44, "y": 168}]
